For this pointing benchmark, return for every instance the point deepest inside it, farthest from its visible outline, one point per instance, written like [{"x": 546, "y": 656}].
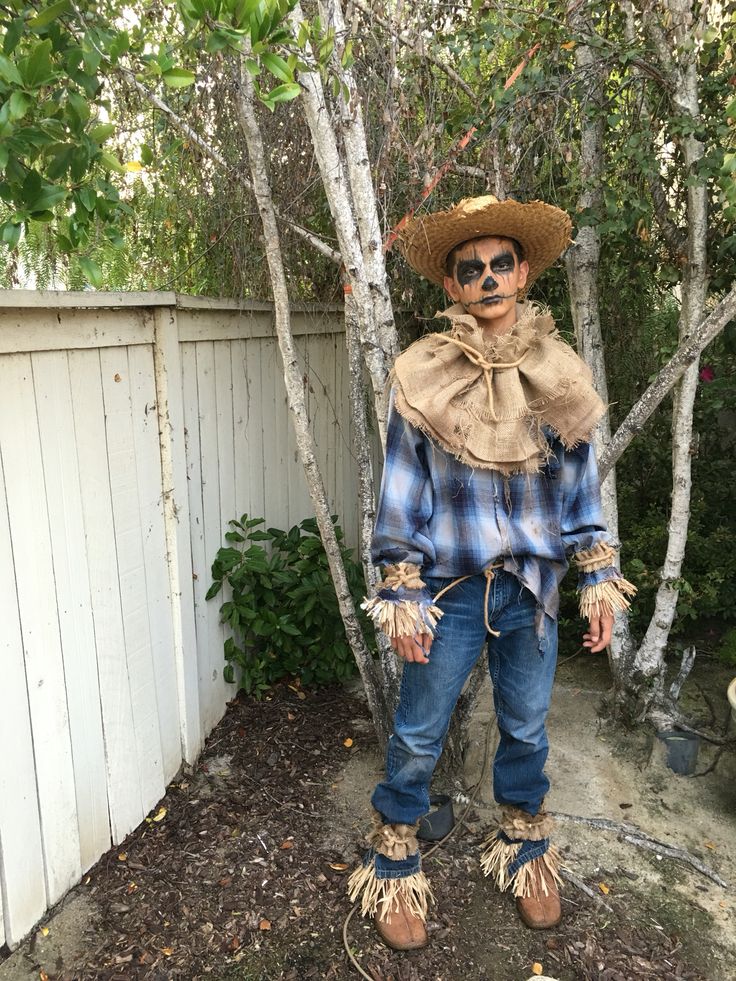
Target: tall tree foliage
[{"x": 126, "y": 135}]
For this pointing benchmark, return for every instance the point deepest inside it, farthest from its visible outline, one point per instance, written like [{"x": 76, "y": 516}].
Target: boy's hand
[
  {"x": 599, "y": 633},
  {"x": 414, "y": 648}
]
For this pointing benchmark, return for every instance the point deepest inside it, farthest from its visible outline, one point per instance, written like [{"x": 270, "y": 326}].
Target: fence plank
[
  {"x": 215, "y": 692},
  {"x": 21, "y": 851},
  {"x": 156, "y": 573},
  {"x": 66, "y": 525},
  {"x": 254, "y": 430},
  {"x": 276, "y": 502},
  {"x": 36, "y": 589},
  {"x": 123, "y": 468},
  {"x": 123, "y": 779},
  {"x": 200, "y": 565},
  {"x": 169, "y": 372},
  {"x": 46, "y": 330}
]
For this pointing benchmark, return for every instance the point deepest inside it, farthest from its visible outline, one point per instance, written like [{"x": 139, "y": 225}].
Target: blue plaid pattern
[{"x": 453, "y": 520}]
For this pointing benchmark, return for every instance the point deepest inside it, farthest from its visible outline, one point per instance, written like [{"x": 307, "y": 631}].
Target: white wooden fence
[{"x": 132, "y": 428}]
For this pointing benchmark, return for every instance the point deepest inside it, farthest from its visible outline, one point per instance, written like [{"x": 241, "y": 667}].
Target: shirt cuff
[
  {"x": 603, "y": 590},
  {"x": 402, "y": 606}
]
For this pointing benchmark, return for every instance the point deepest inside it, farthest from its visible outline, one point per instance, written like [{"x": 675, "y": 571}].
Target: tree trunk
[
  {"x": 343, "y": 210},
  {"x": 298, "y": 408},
  {"x": 647, "y": 682},
  {"x": 582, "y": 262}
]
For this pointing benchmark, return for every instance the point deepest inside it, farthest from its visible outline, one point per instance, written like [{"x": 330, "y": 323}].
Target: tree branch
[
  {"x": 209, "y": 151},
  {"x": 417, "y": 45},
  {"x": 685, "y": 355}
]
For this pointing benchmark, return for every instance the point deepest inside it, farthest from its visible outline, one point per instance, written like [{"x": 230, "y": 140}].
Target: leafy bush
[
  {"x": 727, "y": 648},
  {"x": 284, "y": 612}
]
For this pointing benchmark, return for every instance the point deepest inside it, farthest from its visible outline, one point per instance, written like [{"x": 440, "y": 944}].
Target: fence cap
[{"x": 17, "y": 299}]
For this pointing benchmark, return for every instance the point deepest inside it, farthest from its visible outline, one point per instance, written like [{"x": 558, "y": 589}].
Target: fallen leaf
[
  {"x": 536, "y": 968},
  {"x": 290, "y": 716},
  {"x": 131, "y": 887},
  {"x": 348, "y": 743},
  {"x": 160, "y": 814},
  {"x": 264, "y": 925},
  {"x": 123, "y": 857},
  {"x": 603, "y": 888},
  {"x": 44, "y": 931},
  {"x": 234, "y": 943},
  {"x": 43, "y": 976},
  {"x": 286, "y": 844},
  {"x": 723, "y": 904},
  {"x": 301, "y": 695},
  {"x": 338, "y": 866},
  {"x": 709, "y": 844},
  {"x": 567, "y": 46},
  {"x": 167, "y": 951},
  {"x": 225, "y": 881}
]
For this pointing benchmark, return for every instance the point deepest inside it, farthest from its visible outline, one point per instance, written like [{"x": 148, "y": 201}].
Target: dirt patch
[{"x": 243, "y": 875}]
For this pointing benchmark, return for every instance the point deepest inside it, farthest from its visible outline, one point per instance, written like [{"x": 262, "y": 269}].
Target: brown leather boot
[
  {"x": 540, "y": 910},
  {"x": 399, "y": 927}
]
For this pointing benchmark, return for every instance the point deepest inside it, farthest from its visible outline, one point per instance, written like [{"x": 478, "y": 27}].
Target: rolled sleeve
[{"x": 405, "y": 501}]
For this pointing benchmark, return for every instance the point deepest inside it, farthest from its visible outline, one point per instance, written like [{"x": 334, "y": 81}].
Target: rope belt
[
  {"x": 487, "y": 367},
  {"x": 490, "y": 574}
]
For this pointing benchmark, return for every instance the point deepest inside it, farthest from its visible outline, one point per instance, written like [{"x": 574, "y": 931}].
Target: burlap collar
[{"x": 486, "y": 402}]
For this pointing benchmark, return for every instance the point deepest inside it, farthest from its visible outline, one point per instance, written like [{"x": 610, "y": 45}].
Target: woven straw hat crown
[{"x": 542, "y": 230}]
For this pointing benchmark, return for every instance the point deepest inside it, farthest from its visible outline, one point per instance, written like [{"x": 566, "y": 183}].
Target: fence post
[{"x": 170, "y": 410}]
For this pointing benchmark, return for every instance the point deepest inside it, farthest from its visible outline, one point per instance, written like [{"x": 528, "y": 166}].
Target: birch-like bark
[
  {"x": 668, "y": 376},
  {"x": 366, "y": 490},
  {"x": 342, "y": 208},
  {"x": 682, "y": 68},
  {"x": 298, "y": 407},
  {"x": 582, "y": 262},
  {"x": 363, "y": 193}
]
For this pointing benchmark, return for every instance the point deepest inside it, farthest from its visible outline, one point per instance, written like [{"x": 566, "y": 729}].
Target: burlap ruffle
[
  {"x": 486, "y": 402},
  {"x": 405, "y": 574},
  {"x": 520, "y": 825},
  {"x": 395, "y": 841}
]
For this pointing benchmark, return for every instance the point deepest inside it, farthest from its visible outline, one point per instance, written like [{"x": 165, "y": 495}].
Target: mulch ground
[{"x": 235, "y": 877}]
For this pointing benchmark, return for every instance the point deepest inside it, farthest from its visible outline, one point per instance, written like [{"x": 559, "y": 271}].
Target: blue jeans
[{"x": 522, "y": 665}]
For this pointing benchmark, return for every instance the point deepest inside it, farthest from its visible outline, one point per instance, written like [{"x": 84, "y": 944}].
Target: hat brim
[{"x": 542, "y": 230}]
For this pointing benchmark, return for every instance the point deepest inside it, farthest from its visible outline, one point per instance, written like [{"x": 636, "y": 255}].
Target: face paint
[{"x": 487, "y": 278}]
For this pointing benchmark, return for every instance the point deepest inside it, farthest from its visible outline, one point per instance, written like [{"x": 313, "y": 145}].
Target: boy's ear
[
  {"x": 451, "y": 288},
  {"x": 523, "y": 274}
]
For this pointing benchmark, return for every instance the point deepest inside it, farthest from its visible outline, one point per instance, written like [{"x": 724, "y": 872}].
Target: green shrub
[
  {"x": 283, "y": 609},
  {"x": 727, "y": 648}
]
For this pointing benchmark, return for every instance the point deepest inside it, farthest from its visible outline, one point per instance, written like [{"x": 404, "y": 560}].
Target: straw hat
[{"x": 542, "y": 230}]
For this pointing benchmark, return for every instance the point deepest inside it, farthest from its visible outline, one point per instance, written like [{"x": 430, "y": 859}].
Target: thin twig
[{"x": 568, "y": 876}]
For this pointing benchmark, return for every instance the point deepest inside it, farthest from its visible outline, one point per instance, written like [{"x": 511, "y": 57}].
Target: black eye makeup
[
  {"x": 468, "y": 270},
  {"x": 502, "y": 263}
]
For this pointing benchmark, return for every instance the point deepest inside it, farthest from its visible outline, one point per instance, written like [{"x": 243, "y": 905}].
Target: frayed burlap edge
[
  {"x": 395, "y": 841},
  {"x": 528, "y": 880},
  {"x": 402, "y": 618},
  {"x": 382, "y": 897},
  {"x": 606, "y": 598},
  {"x": 519, "y": 824},
  {"x": 405, "y": 574}
]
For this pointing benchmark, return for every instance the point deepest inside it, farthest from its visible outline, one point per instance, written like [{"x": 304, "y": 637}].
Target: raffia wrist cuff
[
  {"x": 400, "y": 609},
  {"x": 606, "y": 598}
]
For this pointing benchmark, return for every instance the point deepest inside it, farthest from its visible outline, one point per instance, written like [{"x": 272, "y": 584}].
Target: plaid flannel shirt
[{"x": 452, "y": 520}]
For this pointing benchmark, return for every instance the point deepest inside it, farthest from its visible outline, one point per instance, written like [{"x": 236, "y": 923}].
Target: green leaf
[
  {"x": 18, "y": 104},
  {"x": 178, "y": 78},
  {"x": 49, "y": 196},
  {"x": 283, "y": 93},
  {"x": 213, "y": 590},
  {"x": 49, "y": 14},
  {"x": 277, "y": 66},
  {"x": 10, "y": 234},
  {"x": 102, "y": 132},
  {"x": 92, "y": 271},
  {"x": 8, "y": 71},
  {"x": 78, "y": 106},
  {"x": 37, "y": 69},
  {"x": 111, "y": 162},
  {"x": 13, "y": 34},
  {"x": 146, "y": 155}
]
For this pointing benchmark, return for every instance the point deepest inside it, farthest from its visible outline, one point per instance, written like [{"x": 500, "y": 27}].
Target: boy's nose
[{"x": 489, "y": 283}]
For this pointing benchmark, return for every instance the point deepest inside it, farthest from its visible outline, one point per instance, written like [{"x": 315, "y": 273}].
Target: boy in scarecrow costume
[{"x": 490, "y": 484}]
